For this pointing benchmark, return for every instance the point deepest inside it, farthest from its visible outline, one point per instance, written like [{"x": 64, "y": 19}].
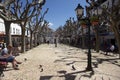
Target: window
[{"x": 13, "y": 30}]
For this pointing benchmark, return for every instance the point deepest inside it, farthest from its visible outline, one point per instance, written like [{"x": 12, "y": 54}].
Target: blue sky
[{"x": 60, "y": 11}]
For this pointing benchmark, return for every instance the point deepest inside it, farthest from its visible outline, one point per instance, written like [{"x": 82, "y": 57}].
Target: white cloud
[{"x": 50, "y": 24}]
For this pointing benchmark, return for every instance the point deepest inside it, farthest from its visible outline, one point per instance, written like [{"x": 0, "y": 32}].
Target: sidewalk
[{"x": 58, "y": 63}]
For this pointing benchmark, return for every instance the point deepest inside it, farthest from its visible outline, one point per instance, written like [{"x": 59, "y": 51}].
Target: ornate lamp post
[{"x": 79, "y": 12}]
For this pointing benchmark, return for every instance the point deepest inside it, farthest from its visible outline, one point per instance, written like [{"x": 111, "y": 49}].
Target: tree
[
  {"x": 34, "y": 24},
  {"x": 14, "y": 11},
  {"x": 59, "y": 32},
  {"x": 8, "y": 18},
  {"x": 111, "y": 13},
  {"x": 24, "y": 10}
]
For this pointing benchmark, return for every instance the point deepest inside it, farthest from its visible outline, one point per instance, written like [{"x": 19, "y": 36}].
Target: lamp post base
[{"x": 89, "y": 69}]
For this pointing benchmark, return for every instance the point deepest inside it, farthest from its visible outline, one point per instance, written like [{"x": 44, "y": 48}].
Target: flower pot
[
  {"x": 95, "y": 23},
  {"x": 83, "y": 26}
]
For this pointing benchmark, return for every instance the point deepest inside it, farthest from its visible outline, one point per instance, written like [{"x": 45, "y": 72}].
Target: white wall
[
  {"x": 2, "y": 28},
  {"x": 15, "y": 28}
]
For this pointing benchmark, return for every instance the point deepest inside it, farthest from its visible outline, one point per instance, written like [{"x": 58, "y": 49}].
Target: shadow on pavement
[
  {"x": 112, "y": 61},
  {"x": 71, "y": 76},
  {"x": 101, "y": 60},
  {"x": 62, "y": 72},
  {"x": 68, "y": 76},
  {"x": 45, "y": 77}
]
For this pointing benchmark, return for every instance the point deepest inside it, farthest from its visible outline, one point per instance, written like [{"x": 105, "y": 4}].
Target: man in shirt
[{"x": 6, "y": 55}]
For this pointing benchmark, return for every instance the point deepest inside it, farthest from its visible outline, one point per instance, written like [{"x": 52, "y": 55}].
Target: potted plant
[
  {"x": 94, "y": 20},
  {"x": 83, "y": 23}
]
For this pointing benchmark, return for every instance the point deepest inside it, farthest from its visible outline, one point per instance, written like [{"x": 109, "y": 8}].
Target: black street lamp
[{"x": 79, "y": 12}]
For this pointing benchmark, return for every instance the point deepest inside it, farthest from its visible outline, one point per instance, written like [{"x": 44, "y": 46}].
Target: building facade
[{"x": 15, "y": 32}]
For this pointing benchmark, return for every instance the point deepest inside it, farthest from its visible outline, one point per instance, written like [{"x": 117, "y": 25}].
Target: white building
[
  {"x": 15, "y": 31},
  {"x": 2, "y": 29}
]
